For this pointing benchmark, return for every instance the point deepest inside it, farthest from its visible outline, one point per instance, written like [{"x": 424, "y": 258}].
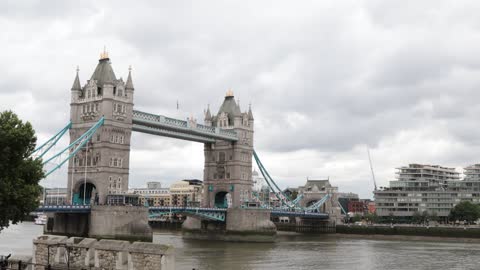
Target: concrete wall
[
  {"x": 242, "y": 225},
  {"x": 87, "y": 253},
  {"x": 120, "y": 222},
  {"x": 250, "y": 221},
  {"x": 69, "y": 224}
]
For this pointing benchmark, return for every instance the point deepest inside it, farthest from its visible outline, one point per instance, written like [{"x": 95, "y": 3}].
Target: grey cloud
[{"x": 321, "y": 76}]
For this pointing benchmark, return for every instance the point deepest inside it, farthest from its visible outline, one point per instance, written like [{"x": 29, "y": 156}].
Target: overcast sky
[{"x": 325, "y": 79}]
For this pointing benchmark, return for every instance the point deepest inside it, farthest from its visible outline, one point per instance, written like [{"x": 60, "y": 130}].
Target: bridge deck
[
  {"x": 176, "y": 209},
  {"x": 170, "y": 127}
]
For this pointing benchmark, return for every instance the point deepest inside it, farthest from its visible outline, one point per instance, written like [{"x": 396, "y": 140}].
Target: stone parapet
[{"x": 87, "y": 253}]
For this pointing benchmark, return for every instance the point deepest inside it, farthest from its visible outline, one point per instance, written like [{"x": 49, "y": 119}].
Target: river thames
[{"x": 291, "y": 251}]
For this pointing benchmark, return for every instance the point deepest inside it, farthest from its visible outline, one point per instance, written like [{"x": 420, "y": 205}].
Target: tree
[
  {"x": 372, "y": 217},
  {"x": 19, "y": 173},
  {"x": 356, "y": 218},
  {"x": 294, "y": 195},
  {"x": 424, "y": 216},
  {"x": 465, "y": 211},
  {"x": 433, "y": 216},
  {"x": 417, "y": 217}
]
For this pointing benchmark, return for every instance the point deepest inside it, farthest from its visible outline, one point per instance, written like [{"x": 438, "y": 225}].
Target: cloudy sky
[{"x": 325, "y": 79}]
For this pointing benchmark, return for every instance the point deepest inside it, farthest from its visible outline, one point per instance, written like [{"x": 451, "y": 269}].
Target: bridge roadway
[
  {"x": 180, "y": 129},
  {"x": 217, "y": 214}
]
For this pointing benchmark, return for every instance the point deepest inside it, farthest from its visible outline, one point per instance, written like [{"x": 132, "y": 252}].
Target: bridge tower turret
[
  {"x": 102, "y": 167},
  {"x": 228, "y": 165}
]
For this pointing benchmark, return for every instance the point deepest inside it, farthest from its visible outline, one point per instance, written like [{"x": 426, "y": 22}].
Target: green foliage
[
  {"x": 433, "y": 216},
  {"x": 417, "y": 217},
  {"x": 372, "y": 217},
  {"x": 465, "y": 211},
  {"x": 294, "y": 195},
  {"x": 356, "y": 218},
  {"x": 19, "y": 173}
]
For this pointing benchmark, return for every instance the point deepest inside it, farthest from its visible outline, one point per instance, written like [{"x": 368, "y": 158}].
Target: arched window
[
  {"x": 120, "y": 93},
  {"x": 89, "y": 94},
  {"x": 115, "y": 162}
]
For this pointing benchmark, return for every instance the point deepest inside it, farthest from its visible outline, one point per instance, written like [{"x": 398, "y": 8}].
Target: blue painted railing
[{"x": 152, "y": 123}]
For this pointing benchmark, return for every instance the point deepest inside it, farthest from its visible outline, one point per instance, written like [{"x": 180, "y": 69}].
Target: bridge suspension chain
[
  {"x": 284, "y": 199},
  {"x": 74, "y": 147},
  {"x": 319, "y": 203},
  {"x": 46, "y": 146}
]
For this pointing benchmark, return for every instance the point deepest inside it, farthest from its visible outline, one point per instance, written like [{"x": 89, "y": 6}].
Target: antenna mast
[{"x": 371, "y": 168}]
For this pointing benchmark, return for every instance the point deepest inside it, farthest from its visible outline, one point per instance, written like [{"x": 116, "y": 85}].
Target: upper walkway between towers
[{"x": 180, "y": 129}]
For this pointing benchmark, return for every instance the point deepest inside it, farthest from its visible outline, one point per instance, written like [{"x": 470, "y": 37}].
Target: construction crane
[{"x": 371, "y": 168}]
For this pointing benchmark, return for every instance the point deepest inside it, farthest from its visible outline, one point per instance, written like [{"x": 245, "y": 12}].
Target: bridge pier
[
  {"x": 68, "y": 224},
  {"x": 103, "y": 222},
  {"x": 242, "y": 225}
]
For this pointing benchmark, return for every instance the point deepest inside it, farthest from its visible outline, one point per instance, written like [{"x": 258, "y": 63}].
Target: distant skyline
[{"x": 325, "y": 79}]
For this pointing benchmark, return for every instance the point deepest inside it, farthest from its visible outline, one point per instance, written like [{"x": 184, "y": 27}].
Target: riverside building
[{"x": 431, "y": 188}]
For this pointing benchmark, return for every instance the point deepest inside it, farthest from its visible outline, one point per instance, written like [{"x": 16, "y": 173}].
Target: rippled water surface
[{"x": 292, "y": 252}]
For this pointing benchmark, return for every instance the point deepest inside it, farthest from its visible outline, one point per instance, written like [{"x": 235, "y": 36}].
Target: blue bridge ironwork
[
  {"x": 217, "y": 214},
  {"x": 180, "y": 129}
]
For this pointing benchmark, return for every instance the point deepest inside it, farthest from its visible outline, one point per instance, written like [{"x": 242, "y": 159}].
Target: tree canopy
[
  {"x": 465, "y": 211},
  {"x": 19, "y": 172}
]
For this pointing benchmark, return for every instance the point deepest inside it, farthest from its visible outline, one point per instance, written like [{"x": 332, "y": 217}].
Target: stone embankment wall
[
  {"x": 88, "y": 253},
  {"x": 467, "y": 232}
]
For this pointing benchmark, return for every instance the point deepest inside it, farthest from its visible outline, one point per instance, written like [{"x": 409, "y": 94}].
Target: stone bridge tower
[
  {"x": 104, "y": 167},
  {"x": 228, "y": 165}
]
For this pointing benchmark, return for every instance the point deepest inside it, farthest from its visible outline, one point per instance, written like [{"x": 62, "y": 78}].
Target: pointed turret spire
[
  {"x": 208, "y": 114},
  {"x": 129, "y": 84},
  {"x": 250, "y": 114},
  {"x": 76, "y": 83}
]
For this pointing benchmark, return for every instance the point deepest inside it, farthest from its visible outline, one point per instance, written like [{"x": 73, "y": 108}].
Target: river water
[{"x": 292, "y": 251}]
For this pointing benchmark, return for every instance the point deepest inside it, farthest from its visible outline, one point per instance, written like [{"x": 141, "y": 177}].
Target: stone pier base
[
  {"x": 242, "y": 225},
  {"x": 103, "y": 222},
  {"x": 120, "y": 222}
]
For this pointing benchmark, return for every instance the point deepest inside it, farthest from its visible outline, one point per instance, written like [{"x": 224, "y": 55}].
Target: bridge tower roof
[
  {"x": 230, "y": 107},
  {"x": 104, "y": 72},
  {"x": 76, "y": 83},
  {"x": 129, "y": 84}
]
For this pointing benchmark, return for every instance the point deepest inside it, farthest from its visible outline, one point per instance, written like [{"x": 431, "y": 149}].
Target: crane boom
[{"x": 371, "y": 168}]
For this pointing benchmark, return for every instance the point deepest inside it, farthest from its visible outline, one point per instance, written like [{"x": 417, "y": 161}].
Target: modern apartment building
[
  {"x": 430, "y": 188},
  {"x": 153, "y": 194}
]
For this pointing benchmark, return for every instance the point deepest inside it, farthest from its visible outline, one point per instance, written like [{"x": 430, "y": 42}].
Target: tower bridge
[{"x": 102, "y": 121}]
